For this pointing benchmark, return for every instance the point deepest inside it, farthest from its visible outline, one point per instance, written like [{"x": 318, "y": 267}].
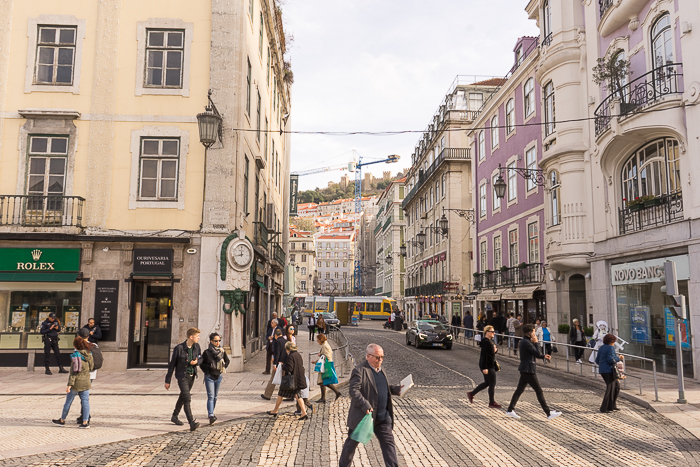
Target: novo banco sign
[{"x": 652, "y": 270}]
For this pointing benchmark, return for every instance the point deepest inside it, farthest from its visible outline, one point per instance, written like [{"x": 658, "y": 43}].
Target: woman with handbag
[
  {"x": 488, "y": 366},
  {"x": 214, "y": 364},
  {"x": 607, "y": 365},
  {"x": 327, "y": 353},
  {"x": 293, "y": 380}
]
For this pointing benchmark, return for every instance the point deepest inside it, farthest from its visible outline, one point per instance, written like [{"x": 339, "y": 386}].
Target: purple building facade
[{"x": 507, "y": 141}]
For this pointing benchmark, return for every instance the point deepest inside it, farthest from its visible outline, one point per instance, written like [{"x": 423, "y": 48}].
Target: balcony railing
[
  {"x": 604, "y": 6},
  {"x": 662, "y": 210},
  {"x": 261, "y": 234},
  {"x": 547, "y": 40},
  {"x": 524, "y": 274},
  {"x": 434, "y": 288},
  {"x": 41, "y": 211},
  {"x": 644, "y": 90},
  {"x": 446, "y": 154},
  {"x": 278, "y": 255}
]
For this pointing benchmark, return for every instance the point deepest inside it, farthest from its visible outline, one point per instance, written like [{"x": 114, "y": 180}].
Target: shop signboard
[
  {"x": 639, "y": 322},
  {"x": 106, "y": 307},
  {"x": 40, "y": 259},
  {"x": 642, "y": 272},
  {"x": 671, "y": 330},
  {"x": 153, "y": 261}
]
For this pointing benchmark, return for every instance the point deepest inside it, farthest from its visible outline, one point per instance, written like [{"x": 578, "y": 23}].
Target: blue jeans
[
  {"x": 212, "y": 386},
  {"x": 511, "y": 339},
  {"x": 84, "y": 401}
]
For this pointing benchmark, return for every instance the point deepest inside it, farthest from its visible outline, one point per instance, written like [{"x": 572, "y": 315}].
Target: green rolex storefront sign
[{"x": 39, "y": 264}]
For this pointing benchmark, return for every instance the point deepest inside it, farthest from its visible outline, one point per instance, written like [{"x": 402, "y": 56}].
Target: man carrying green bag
[{"x": 371, "y": 409}]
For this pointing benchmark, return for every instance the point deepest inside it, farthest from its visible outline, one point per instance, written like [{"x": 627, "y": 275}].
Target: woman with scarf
[
  {"x": 82, "y": 364},
  {"x": 214, "y": 364}
]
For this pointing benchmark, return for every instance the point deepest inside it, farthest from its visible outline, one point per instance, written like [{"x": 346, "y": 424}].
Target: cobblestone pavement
[{"x": 435, "y": 426}]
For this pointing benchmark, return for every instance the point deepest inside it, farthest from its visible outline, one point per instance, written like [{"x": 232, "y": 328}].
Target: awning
[
  {"x": 38, "y": 276},
  {"x": 521, "y": 293},
  {"x": 490, "y": 296},
  {"x": 260, "y": 284}
]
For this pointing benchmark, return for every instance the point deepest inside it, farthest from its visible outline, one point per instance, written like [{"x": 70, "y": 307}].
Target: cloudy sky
[{"x": 385, "y": 65}]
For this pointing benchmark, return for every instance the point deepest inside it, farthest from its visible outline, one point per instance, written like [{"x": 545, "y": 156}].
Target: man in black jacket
[
  {"x": 529, "y": 353},
  {"x": 184, "y": 361},
  {"x": 468, "y": 323},
  {"x": 94, "y": 330},
  {"x": 370, "y": 392},
  {"x": 279, "y": 355},
  {"x": 49, "y": 333},
  {"x": 270, "y": 336}
]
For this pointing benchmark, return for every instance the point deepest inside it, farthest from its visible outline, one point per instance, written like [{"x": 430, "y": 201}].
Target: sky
[{"x": 385, "y": 65}]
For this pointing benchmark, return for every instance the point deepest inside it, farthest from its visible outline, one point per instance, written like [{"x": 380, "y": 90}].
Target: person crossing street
[
  {"x": 184, "y": 361},
  {"x": 49, "y": 335}
]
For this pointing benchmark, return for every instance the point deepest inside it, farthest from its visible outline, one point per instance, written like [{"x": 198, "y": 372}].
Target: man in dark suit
[
  {"x": 279, "y": 355},
  {"x": 370, "y": 392}
]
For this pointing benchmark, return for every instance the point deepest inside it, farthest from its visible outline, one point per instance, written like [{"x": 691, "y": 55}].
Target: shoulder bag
[{"x": 287, "y": 383}]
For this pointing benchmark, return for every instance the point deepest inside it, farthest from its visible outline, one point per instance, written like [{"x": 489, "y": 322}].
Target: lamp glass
[
  {"x": 443, "y": 223},
  {"x": 421, "y": 237},
  {"x": 499, "y": 187},
  {"x": 403, "y": 249},
  {"x": 208, "y": 123}
]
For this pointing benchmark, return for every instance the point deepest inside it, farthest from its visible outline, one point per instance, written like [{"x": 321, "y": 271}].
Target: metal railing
[
  {"x": 604, "y": 6},
  {"x": 659, "y": 211},
  {"x": 279, "y": 255},
  {"x": 446, "y": 154},
  {"x": 342, "y": 358},
  {"x": 41, "y": 211},
  {"x": 261, "y": 234},
  {"x": 434, "y": 288},
  {"x": 532, "y": 273},
  {"x": 547, "y": 40},
  {"x": 647, "y": 89},
  {"x": 466, "y": 336}
]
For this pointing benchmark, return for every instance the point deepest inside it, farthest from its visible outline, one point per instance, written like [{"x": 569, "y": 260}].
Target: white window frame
[
  {"x": 497, "y": 259},
  {"x": 510, "y": 117},
  {"x": 531, "y": 184},
  {"x": 33, "y": 25},
  {"x": 482, "y": 199},
  {"x": 483, "y": 254},
  {"x": 141, "y": 40},
  {"x": 158, "y": 132},
  {"x": 554, "y": 195},
  {"x": 494, "y": 132},
  {"x": 512, "y": 181},
  {"x": 482, "y": 145},
  {"x": 529, "y": 98},
  {"x": 548, "y": 100},
  {"x": 533, "y": 241},
  {"x": 513, "y": 261}
]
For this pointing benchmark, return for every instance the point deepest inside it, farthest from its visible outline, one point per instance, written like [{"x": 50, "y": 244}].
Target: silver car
[{"x": 331, "y": 319}]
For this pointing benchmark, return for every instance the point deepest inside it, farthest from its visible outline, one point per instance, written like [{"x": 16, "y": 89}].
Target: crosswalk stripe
[
  {"x": 410, "y": 440},
  {"x": 139, "y": 454},
  {"x": 282, "y": 443},
  {"x": 479, "y": 444},
  {"x": 598, "y": 443},
  {"x": 338, "y": 433},
  {"x": 615, "y": 424},
  {"x": 545, "y": 447},
  {"x": 214, "y": 447}
]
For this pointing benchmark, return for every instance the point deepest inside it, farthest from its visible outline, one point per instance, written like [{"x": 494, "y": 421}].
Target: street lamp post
[
  {"x": 535, "y": 175},
  {"x": 211, "y": 129}
]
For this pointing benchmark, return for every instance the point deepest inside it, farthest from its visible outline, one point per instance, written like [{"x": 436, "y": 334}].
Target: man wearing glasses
[{"x": 370, "y": 392}]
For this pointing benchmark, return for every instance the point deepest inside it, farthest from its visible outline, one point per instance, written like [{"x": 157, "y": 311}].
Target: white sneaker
[
  {"x": 579, "y": 362},
  {"x": 512, "y": 414},
  {"x": 553, "y": 414}
]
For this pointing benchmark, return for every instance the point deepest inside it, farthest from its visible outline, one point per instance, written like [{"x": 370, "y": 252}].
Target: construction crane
[
  {"x": 325, "y": 169},
  {"x": 358, "y": 209}
]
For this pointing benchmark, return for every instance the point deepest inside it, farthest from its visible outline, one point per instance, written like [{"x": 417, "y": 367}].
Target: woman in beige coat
[{"x": 326, "y": 352}]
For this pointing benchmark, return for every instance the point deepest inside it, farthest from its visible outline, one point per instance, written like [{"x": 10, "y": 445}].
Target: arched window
[
  {"x": 494, "y": 131},
  {"x": 661, "y": 42},
  {"x": 622, "y": 80},
  {"x": 554, "y": 201},
  {"x": 549, "y": 121},
  {"x": 653, "y": 170},
  {"x": 482, "y": 146},
  {"x": 529, "y": 96},
  {"x": 510, "y": 116}
]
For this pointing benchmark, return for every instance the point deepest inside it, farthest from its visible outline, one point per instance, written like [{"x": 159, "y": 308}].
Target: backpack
[{"x": 97, "y": 357}]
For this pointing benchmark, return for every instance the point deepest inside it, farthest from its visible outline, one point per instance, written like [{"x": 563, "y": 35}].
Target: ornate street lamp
[
  {"x": 536, "y": 176},
  {"x": 402, "y": 249},
  {"x": 500, "y": 186},
  {"x": 210, "y": 124},
  {"x": 421, "y": 238}
]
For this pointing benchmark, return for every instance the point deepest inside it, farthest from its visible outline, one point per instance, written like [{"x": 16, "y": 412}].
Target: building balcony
[
  {"x": 41, "y": 211},
  {"x": 661, "y": 210},
  {"x": 278, "y": 256},
  {"x": 617, "y": 13},
  {"x": 434, "y": 288},
  {"x": 261, "y": 235},
  {"x": 639, "y": 93},
  {"x": 447, "y": 154},
  {"x": 523, "y": 274}
]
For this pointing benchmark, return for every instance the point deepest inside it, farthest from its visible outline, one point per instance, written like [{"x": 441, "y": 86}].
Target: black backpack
[{"x": 97, "y": 357}]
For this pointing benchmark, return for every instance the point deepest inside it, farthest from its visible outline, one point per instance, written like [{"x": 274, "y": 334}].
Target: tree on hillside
[{"x": 306, "y": 224}]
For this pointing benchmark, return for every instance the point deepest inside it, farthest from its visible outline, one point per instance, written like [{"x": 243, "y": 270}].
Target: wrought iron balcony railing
[
  {"x": 445, "y": 154},
  {"x": 547, "y": 40},
  {"x": 647, "y": 89},
  {"x": 523, "y": 274},
  {"x": 279, "y": 255},
  {"x": 653, "y": 213},
  {"x": 261, "y": 234},
  {"x": 41, "y": 211},
  {"x": 604, "y": 6}
]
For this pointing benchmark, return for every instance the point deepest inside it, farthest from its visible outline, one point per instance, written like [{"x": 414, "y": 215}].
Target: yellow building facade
[{"x": 102, "y": 173}]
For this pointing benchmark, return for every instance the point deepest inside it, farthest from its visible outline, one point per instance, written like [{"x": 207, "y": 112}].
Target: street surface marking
[
  {"x": 434, "y": 361},
  {"x": 416, "y": 448},
  {"x": 214, "y": 447},
  {"x": 282, "y": 443},
  {"x": 479, "y": 444},
  {"x": 546, "y": 448},
  {"x": 139, "y": 454},
  {"x": 338, "y": 433},
  {"x": 619, "y": 426},
  {"x": 600, "y": 444}
]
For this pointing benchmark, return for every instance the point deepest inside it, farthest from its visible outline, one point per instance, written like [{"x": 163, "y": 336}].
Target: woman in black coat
[
  {"x": 294, "y": 365},
  {"x": 577, "y": 337},
  {"x": 214, "y": 364},
  {"x": 487, "y": 365}
]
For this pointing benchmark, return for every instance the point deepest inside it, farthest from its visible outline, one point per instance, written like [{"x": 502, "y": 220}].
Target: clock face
[{"x": 241, "y": 255}]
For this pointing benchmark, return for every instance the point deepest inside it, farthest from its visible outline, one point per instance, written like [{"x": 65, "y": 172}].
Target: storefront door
[{"x": 151, "y": 317}]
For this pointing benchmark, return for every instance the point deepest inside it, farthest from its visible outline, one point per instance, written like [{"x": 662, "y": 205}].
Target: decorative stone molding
[
  {"x": 178, "y": 255},
  {"x": 127, "y": 253},
  {"x": 87, "y": 252},
  {"x": 634, "y": 23}
]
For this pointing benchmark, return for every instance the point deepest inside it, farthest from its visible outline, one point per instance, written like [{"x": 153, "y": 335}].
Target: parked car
[
  {"x": 428, "y": 333},
  {"x": 331, "y": 319}
]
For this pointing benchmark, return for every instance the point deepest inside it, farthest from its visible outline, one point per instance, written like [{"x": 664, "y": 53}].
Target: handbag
[
  {"x": 304, "y": 393},
  {"x": 330, "y": 376},
  {"x": 320, "y": 364},
  {"x": 496, "y": 366},
  {"x": 287, "y": 383},
  {"x": 554, "y": 349},
  {"x": 617, "y": 372}
]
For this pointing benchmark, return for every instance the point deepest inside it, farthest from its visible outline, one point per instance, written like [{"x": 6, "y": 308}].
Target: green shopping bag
[
  {"x": 329, "y": 375},
  {"x": 364, "y": 430}
]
